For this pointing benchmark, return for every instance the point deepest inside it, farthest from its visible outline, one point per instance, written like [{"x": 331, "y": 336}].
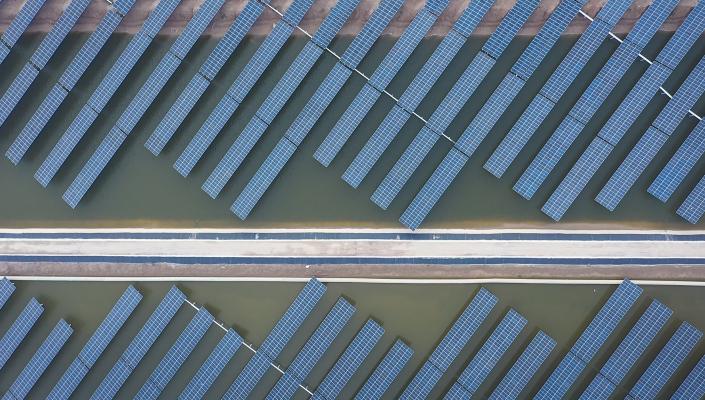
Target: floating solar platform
[
  {"x": 351, "y": 359},
  {"x": 693, "y": 387},
  {"x": 177, "y": 355},
  {"x": 19, "y": 329},
  {"x": 386, "y": 372},
  {"x": 145, "y": 338},
  {"x": 17, "y": 89},
  {"x": 524, "y": 369},
  {"x": 562, "y": 378},
  {"x": 18, "y": 25},
  {"x": 6, "y": 290},
  {"x": 223, "y": 352},
  {"x": 41, "y": 359},
  {"x": 312, "y": 351},
  {"x": 69, "y": 381},
  {"x": 693, "y": 207},
  {"x": 249, "y": 377},
  {"x": 188, "y": 98},
  {"x": 423, "y": 382},
  {"x": 378, "y": 82},
  {"x": 668, "y": 360},
  {"x": 600, "y": 388},
  {"x": 485, "y": 360}
]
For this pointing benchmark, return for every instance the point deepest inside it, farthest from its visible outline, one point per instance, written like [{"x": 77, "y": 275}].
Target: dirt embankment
[{"x": 131, "y": 24}]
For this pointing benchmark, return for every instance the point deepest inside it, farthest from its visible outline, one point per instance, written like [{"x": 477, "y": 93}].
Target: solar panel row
[
  {"x": 693, "y": 387},
  {"x": 370, "y": 92},
  {"x": 423, "y": 382},
  {"x": 140, "y": 344},
  {"x": 201, "y": 80},
  {"x": 19, "y": 329},
  {"x": 693, "y": 207},
  {"x": 351, "y": 359},
  {"x": 562, "y": 378},
  {"x": 41, "y": 359},
  {"x": 223, "y": 352},
  {"x": 525, "y": 367},
  {"x": 386, "y": 372},
  {"x": 313, "y": 350},
  {"x": 6, "y": 290},
  {"x": 249, "y": 377},
  {"x": 18, "y": 25},
  {"x": 485, "y": 360},
  {"x": 17, "y": 89},
  {"x": 508, "y": 28},
  {"x": 69, "y": 381},
  {"x": 177, "y": 355}
]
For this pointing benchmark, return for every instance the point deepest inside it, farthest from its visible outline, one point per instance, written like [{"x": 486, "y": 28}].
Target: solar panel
[
  {"x": 140, "y": 344},
  {"x": 508, "y": 28},
  {"x": 177, "y": 355},
  {"x": 69, "y": 381},
  {"x": 423, "y": 382},
  {"x": 678, "y": 167},
  {"x": 263, "y": 178},
  {"x": 693, "y": 207},
  {"x": 19, "y": 24},
  {"x": 123, "y": 6},
  {"x": 19, "y": 329},
  {"x": 485, "y": 360},
  {"x": 41, "y": 359},
  {"x": 6, "y": 290},
  {"x": 153, "y": 24},
  {"x": 599, "y": 388},
  {"x": 213, "y": 366},
  {"x": 693, "y": 387},
  {"x": 313, "y": 350},
  {"x": 249, "y": 377},
  {"x": 524, "y": 368},
  {"x": 386, "y": 372},
  {"x": 333, "y": 22},
  {"x": 687, "y": 94},
  {"x": 562, "y": 378},
  {"x": 195, "y": 27},
  {"x": 374, "y": 26},
  {"x": 95, "y": 165},
  {"x": 17, "y": 89},
  {"x": 471, "y": 17},
  {"x": 576, "y": 180},
  {"x": 350, "y": 360},
  {"x": 58, "y": 32},
  {"x": 650, "y": 21},
  {"x": 457, "y": 392},
  {"x": 666, "y": 362},
  {"x": 4, "y": 51},
  {"x": 370, "y": 92},
  {"x": 683, "y": 39}
]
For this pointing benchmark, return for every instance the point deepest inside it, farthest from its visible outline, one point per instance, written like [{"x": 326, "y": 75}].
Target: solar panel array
[
  {"x": 97, "y": 343},
  {"x": 625, "y": 115},
  {"x": 289, "y": 82},
  {"x": 655, "y": 137},
  {"x": 223, "y": 352},
  {"x": 386, "y": 372},
  {"x": 592, "y": 98},
  {"x": 304, "y": 122},
  {"x": 140, "y": 344},
  {"x": 19, "y": 329},
  {"x": 18, "y": 25},
  {"x": 40, "y": 57},
  {"x": 241, "y": 87},
  {"x": 105, "y": 90},
  {"x": 525, "y": 367},
  {"x": 176, "y": 356},
  {"x": 443, "y": 115},
  {"x": 312, "y": 351},
  {"x": 693, "y": 387},
  {"x": 6, "y": 290},
  {"x": 351, "y": 359},
  {"x": 372, "y": 90},
  {"x": 693, "y": 207},
  {"x": 590, "y": 341},
  {"x": 39, "y": 362}
]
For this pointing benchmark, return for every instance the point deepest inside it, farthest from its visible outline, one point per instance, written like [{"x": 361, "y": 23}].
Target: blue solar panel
[
  {"x": 463, "y": 329},
  {"x": 333, "y": 22},
  {"x": 58, "y": 32},
  {"x": 95, "y": 165},
  {"x": 69, "y": 381},
  {"x": 263, "y": 178},
  {"x": 693, "y": 387},
  {"x": 635, "y": 343},
  {"x": 4, "y": 51},
  {"x": 295, "y": 13},
  {"x": 688, "y": 93},
  {"x": 471, "y": 17},
  {"x": 689, "y": 31},
  {"x": 693, "y": 207},
  {"x": 457, "y": 392},
  {"x": 17, "y": 89},
  {"x": 485, "y": 360},
  {"x": 508, "y": 28},
  {"x": 18, "y": 25},
  {"x": 650, "y": 21},
  {"x": 561, "y": 16},
  {"x": 666, "y": 363},
  {"x": 112, "y": 382},
  {"x": 312, "y": 351},
  {"x": 350, "y": 360},
  {"x": 678, "y": 167},
  {"x": 195, "y": 27},
  {"x": 599, "y": 388},
  {"x": 213, "y": 366},
  {"x": 123, "y": 6},
  {"x": 19, "y": 329},
  {"x": 432, "y": 190},
  {"x": 524, "y": 368},
  {"x": 423, "y": 382},
  {"x": 153, "y": 24},
  {"x": 386, "y": 372},
  {"x": 249, "y": 377},
  {"x": 364, "y": 40},
  {"x": 562, "y": 378},
  {"x": 40, "y": 360},
  {"x": 177, "y": 355},
  {"x": 6, "y": 290},
  {"x": 576, "y": 180}
]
